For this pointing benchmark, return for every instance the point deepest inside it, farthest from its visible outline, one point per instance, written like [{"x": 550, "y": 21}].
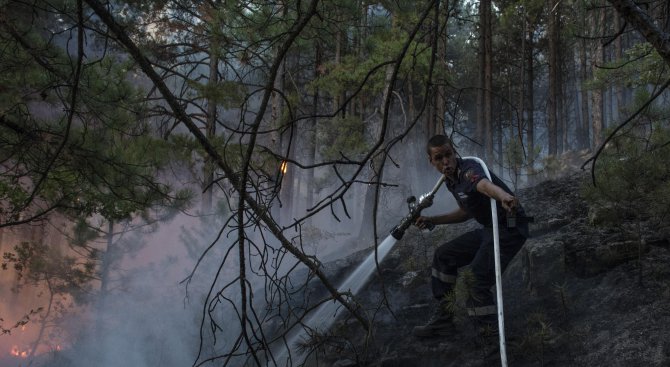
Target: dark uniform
[{"x": 475, "y": 248}]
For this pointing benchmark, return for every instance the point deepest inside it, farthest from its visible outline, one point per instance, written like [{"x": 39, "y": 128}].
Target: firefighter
[{"x": 467, "y": 181}]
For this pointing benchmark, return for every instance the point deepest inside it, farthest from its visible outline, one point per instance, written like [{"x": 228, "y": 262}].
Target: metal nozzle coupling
[
  {"x": 397, "y": 232},
  {"x": 415, "y": 209}
]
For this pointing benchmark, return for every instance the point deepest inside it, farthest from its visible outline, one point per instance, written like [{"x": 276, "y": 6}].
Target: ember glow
[
  {"x": 17, "y": 352},
  {"x": 284, "y": 167}
]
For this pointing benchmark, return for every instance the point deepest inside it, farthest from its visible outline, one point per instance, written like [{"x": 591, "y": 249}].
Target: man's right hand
[{"x": 424, "y": 222}]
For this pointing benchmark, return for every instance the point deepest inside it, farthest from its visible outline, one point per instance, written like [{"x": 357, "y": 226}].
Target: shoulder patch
[{"x": 471, "y": 176}]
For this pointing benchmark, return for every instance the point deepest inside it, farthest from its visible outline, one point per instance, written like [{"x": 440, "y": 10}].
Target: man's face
[{"x": 443, "y": 158}]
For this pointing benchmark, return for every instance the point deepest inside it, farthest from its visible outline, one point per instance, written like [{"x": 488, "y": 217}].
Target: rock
[
  {"x": 590, "y": 259},
  {"x": 575, "y": 295},
  {"x": 542, "y": 263},
  {"x": 345, "y": 363}
]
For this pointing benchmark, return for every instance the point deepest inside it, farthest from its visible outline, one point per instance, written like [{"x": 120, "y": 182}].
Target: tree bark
[
  {"x": 644, "y": 24},
  {"x": 583, "y": 136},
  {"x": 597, "y": 60},
  {"x": 552, "y": 100},
  {"x": 210, "y": 131},
  {"x": 530, "y": 118},
  {"x": 484, "y": 127}
]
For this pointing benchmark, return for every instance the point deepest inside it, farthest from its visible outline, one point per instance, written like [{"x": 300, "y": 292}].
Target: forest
[{"x": 263, "y": 138}]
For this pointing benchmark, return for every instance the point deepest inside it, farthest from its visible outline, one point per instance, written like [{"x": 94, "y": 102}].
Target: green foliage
[
  {"x": 224, "y": 93},
  {"x": 23, "y": 321},
  {"x": 93, "y": 156},
  {"x": 640, "y": 67},
  {"x": 456, "y": 300},
  {"x": 632, "y": 174},
  {"x": 83, "y": 233},
  {"x": 538, "y": 333},
  {"x": 38, "y": 262},
  {"x": 342, "y": 136},
  {"x": 101, "y": 161},
  {"x": 352, "y": 70},
  {"x": 514, "y": 156}
]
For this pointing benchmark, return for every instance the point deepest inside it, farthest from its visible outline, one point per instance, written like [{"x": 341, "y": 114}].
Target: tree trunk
[
  {"x": 210, "y": 131},
  {"x": 583, "y": 136},
  {"x": 552, "y": 99},
  {"x": 43, "y": 323},
  {"x": 485, "y": 113},
  {"x": 530, "y": 117},
  {"x": 644, "y": 24},
  {"x": 561, "y": 120},
  {"x": 488, "y": 78},
  {"x": 618, "y": 53},
  {"x": 105, "y": 270},
  {"x": 439, "y": 101},
  {"x": 366, "y": 233},
  {"x": 522, "y": 78},
  {"x": 363, "y": 33},
  {"x": 339, "y": 99},
  {"x": 310, "y": 138},
  {"x": 597, "y": 95}
]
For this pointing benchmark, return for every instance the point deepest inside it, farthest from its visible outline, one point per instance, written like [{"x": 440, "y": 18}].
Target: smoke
[
  {"x": 148, "y": 319},
  {"x": 151, "y": 318}
]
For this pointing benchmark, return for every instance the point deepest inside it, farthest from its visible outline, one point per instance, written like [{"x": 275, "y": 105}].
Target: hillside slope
[{"x": 577, "y": 294}]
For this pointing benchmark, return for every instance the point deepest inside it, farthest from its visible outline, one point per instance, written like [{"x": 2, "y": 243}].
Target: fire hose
[
  {"x": 496, "y": 255},
  {"x": 424, "y": 202}
]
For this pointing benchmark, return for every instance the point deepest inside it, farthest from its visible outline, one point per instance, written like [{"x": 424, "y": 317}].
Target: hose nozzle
[{"x": 424, "y": 202}]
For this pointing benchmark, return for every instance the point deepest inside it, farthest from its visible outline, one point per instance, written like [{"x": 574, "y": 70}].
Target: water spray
[
  {"x": 415, "y": 209},
  {"x": 326, "y": 314}
]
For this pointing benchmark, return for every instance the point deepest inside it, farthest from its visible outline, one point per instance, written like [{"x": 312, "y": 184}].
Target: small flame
[
  {"x": 17, "y": 352},
  {"x": 283, "y": 167}
]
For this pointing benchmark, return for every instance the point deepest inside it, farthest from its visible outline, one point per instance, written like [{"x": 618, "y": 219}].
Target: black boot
[{"x": 441, "y": 323}]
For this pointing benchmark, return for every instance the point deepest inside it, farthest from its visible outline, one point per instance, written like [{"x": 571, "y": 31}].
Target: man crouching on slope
[{"x": 467, "y": 181}]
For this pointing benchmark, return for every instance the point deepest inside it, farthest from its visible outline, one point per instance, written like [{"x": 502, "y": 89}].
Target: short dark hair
[{"x": 438, "y": 141}]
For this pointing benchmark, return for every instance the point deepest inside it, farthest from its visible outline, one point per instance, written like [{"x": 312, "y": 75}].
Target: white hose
[{"x": 496, "y": 253}]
